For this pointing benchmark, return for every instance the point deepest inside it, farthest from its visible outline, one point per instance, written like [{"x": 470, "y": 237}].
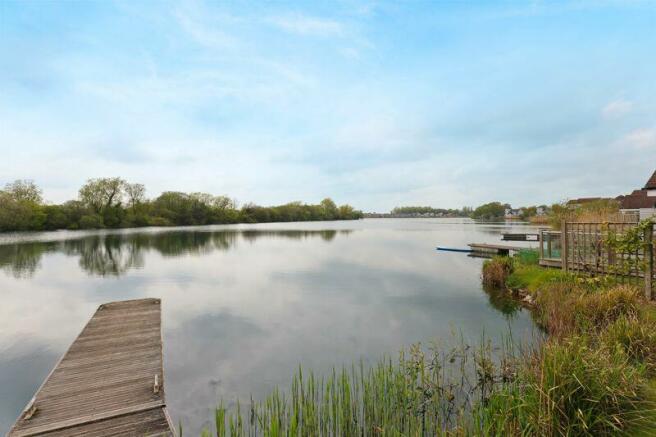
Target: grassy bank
[{"x": 592, "y": 375}]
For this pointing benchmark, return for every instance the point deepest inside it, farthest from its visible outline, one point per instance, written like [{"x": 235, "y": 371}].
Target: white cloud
[
  {"x": 616, "y": 109},
  {"x": 641, "y": 139},
  {"x": 204, "y": 27},
  {"x": 306, "y": 25}
]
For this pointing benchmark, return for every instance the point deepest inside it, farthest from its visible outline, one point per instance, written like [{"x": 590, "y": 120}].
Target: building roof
[
  {"x": 651, "y": 183},
  {"x": 637, "y": 200}
]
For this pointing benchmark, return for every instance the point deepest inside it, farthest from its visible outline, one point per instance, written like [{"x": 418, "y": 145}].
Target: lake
[{"x": 244, "y": 305}]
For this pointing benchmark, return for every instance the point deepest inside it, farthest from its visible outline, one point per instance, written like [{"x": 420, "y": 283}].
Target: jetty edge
[{"x": 109, "y": 382}]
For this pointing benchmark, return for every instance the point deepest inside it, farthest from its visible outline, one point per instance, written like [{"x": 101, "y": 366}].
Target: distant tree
[
  {"x": 204, "y": 198},
  {"x": 329, "y": 209},
  {"x": 20, "y": 207},
  {"x": 136, "y": 194},
  {"x": 346, "y": 212},
  {"x": 528, "y": 212},
  {"x": 490, "y": 211},
  {"x": 101, "y": 205},
  {"x": 425, "y": 210},
  {"x": 102, "y": 193},
  {"x": 224, "y": 202},
  {"x": 24, "y": 190}
]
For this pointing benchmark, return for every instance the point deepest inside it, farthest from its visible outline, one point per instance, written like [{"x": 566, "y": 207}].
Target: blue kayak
[{"x": 452, "y": 249}]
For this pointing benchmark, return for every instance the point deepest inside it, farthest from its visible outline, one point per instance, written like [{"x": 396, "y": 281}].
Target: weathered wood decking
[
  {"x": 109, "y": 382},
  {"x": 509, "y": 236},
  {"x": 494, "y": 248}
]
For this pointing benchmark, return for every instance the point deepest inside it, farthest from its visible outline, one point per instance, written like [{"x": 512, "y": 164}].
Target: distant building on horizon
[{"x": 642, "y": 202}]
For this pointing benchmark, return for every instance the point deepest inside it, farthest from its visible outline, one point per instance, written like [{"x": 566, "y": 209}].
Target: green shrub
[
  {"x": 91, "y": 221},
  {"x": 159, "y": 221},
  {"x": 496, "y": 271},
  {"x": 564, "y": 307},
  {"x": 594, "y": 311}
]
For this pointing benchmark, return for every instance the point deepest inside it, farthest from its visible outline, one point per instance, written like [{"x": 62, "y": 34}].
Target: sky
[{"x": 376, "y": 104}]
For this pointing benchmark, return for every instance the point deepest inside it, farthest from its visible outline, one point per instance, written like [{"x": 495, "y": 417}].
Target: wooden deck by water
[
  {"x": 109, "y": 382},
  {"x": 494, "y": 248}
]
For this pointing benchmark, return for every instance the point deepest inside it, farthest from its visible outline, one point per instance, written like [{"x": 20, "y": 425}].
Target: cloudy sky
[{"x": 377, "y": 104}]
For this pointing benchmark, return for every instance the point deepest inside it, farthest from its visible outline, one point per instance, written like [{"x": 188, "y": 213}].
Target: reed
[
  {"x": 496, "y": 271},
  {"x": 423, "y": 392}
]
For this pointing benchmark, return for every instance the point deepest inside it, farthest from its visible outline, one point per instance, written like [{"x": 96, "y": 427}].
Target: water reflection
[
  {"x": 503, "y": 301},
  {"x": 243, "y": 307},
  {"x": 116, "y": 254}
]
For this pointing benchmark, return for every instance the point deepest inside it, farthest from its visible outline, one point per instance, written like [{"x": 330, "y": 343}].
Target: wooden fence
[{"x": 585, "y": 248}]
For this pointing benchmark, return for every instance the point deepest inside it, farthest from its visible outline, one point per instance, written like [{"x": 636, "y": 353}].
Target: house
[
  {"x": 642, "y": 202},
  {"x": 512, "y": 213}
]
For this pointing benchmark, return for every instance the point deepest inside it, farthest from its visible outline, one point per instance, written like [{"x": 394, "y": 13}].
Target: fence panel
[{"x": 586, "y": 248}]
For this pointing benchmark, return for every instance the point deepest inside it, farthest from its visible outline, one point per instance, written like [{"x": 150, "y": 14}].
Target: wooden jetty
[
  {"x": 110, "y": 382},
  {"x": 511, "y": 236},
  {"x": 498, "y": 249}
]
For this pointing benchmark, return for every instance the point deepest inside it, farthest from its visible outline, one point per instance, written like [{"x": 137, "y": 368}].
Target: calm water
[{"x": 244, "y": 305}]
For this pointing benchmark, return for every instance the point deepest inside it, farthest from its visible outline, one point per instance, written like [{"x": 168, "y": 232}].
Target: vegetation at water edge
[{"x": 116, "y": 203}]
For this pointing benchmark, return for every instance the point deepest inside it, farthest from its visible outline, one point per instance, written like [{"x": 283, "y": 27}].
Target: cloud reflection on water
[{"x": 242, "y": 308}]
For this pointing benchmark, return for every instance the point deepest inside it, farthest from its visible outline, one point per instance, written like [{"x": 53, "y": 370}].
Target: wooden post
[
  {"x": 563, "y": 245},
  {"x": 649, "y": 261},
  {"x": 549, "y": 249}
]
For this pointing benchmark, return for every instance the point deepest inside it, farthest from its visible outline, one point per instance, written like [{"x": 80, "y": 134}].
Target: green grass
[
  {"x": 528, "y": 257},
  {"x": 532, "y": 277}
]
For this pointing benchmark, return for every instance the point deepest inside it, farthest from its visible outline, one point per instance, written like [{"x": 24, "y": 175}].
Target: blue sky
[{"x": 378, "y": 104}]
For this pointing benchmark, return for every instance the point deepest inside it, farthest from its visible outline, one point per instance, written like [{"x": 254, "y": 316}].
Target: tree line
[
  {"x": 430, "y": 211},
  {"x": 487, "y": 211},
  {"x": 116, "y": 203}
]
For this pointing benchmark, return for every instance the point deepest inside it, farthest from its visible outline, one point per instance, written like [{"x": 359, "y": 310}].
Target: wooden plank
[
  {"x": 146, "y": 423},
  {"x": 495, "y": 247},
  {"x": 564, "y": 247},
  {"x": 520, "y": 237},
  {"x": 104, "y": 383}
]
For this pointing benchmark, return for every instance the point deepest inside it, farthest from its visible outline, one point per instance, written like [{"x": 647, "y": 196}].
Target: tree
[
  {"x": 24, "y": 190},
  {"x": 329, "y": 209},
  {"x": 204, "y": 198},
  {"x": 489, "y": 211},
  {"x": 224, "y": 202},
  {"x": 136, "y": 194},
  {"x": 346, "y": 212},
  {"x": 102, "y": 193}
]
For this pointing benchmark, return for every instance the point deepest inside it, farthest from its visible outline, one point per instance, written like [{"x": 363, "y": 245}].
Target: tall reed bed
[{"x": 425, "y": 392}]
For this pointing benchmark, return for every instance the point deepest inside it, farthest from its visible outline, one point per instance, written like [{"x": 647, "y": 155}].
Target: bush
[
  {"x": 635, "y": 337},
  {"x": 496, "y": 271},
  {"x": 594, "y": 311},
  {"x": 91, "y": 221},
  {"x": 563, "y": 308},
  {"x": 159, "y": 221}
]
